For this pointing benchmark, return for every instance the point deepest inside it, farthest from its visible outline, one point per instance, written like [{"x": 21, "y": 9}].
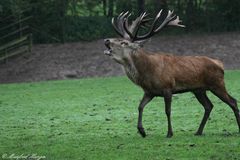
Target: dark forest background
[{"x": 77, "y": 20}]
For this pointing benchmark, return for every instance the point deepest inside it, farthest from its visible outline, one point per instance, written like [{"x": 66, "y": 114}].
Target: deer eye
[{"x": 124, "y": 43}]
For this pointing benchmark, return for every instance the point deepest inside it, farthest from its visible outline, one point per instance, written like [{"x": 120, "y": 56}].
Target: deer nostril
[{"x": 107, "y": 43}]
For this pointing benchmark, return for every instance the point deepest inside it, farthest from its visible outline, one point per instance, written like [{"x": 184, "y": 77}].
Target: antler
[
  {"x": 133, "y": 29},
  {"x": 130, "y": 31},
  {"x": 125, "y": 30},
  {"x": 119, "y": 26},
  {"x": 170, "y": 19}
]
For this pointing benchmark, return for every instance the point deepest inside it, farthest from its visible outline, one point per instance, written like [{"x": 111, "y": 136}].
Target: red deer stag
[{"x": 164, "y": 75}]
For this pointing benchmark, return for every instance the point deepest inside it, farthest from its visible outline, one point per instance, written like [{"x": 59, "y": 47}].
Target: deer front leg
[
  {"x": 168, "y": 101},
  {"x": 145, "y": 100}
]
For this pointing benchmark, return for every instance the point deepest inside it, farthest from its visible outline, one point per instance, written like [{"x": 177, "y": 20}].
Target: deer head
[{"x": 130, "y": 41}]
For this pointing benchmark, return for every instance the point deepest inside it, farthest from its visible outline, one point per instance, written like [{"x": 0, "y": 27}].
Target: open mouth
[{"x": 108, "y": 52}]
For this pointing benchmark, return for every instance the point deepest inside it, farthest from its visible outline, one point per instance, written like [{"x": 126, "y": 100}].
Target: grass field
[{"x": 97, "y": 119}]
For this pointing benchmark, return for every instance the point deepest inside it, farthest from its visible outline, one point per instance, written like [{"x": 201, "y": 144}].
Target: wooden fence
[{"x": 15, "y": 36}]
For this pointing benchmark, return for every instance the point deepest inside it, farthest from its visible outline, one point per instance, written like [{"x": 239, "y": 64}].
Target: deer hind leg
[
  {"x": 168, "y": 101},
  {"x": 206, "y": 103},
  {"x": 222, "y": 94}
]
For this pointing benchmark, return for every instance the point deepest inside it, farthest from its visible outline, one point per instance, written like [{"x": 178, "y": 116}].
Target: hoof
[
  {"x": 169, "y": 135},
  {"x": 142, "y": 132},
  {"x": 198, "y": 134}
]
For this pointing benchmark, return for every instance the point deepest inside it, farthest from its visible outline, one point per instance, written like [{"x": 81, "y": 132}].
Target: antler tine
[
  {"x": 116, "y": 27},
  {"x": 125, "y": 14},
  {"x": 127, "y": 19},
  {"x": 121, "y": 19},
  {"x": 119, "y": 26},
  {"x": 151, "y": 32},
  {"x": 168, "y": 19},
  {"x": 126, "y": 27},
  {"x": 176, "y": 22},
  {"x": 171, "y": 19},
  {"x": 144, "y": 18},
  {"x": 137, "y": 23},
  {"x": 127, "y": 33},
  {"x": 120, "y": 14}
]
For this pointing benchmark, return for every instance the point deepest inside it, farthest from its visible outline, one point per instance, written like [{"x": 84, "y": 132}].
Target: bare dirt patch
[{"x": 86, "y": 59}]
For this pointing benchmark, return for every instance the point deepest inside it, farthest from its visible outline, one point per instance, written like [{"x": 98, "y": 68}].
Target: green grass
[{"x": 97, "y": 119}]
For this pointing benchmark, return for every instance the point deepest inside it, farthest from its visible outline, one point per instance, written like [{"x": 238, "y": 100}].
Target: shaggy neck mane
[{"x": 137, "y": 60}]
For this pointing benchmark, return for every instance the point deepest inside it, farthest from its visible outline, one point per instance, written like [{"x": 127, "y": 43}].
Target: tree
[
  {"x": 141, "y": 6},
  {"x": 110, "y": 8},
  {"x": 123, "y": 5},
  {"x": 104, "y": 3},
  {"x": 190, "y": 14},
  {"x": 63, "y": 10},
  {"x": 160, "y": 4}
]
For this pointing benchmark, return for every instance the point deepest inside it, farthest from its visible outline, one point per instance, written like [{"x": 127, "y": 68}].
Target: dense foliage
[{"x": 73, "y": 20}]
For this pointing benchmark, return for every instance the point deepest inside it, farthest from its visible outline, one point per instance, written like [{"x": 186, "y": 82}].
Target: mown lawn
[{"x": 97, "y": 118}]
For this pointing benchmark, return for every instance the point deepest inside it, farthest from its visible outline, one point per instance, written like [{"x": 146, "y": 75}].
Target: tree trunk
[
  {"x": 190, "y": 14},
  {"x": 141, "y": 6},
  {"x": 200, "y": 4},
  {"x": 110, "y": 8},
  {"x": 104, "y": 3},
  {"x": 63, "y": 8},
  {"x": 179, "y": 8},
  {"x": 160, "y": 4}
]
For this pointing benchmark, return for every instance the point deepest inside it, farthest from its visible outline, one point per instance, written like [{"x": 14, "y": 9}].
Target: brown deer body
[
  {"x": 163, "y": 75},
  {"x": 156, "y": 72}
]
